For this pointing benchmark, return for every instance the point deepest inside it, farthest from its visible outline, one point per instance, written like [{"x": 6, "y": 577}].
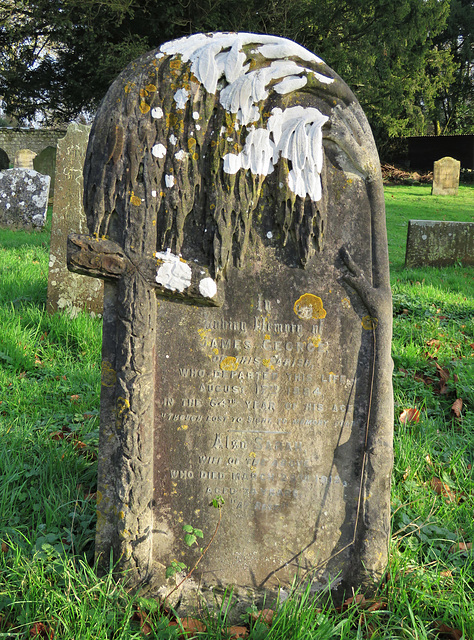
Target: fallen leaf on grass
[
  {"x": 141, "y": 618},
  {"x": 39, "y": 630},
  {"x": 447, "y": 633},
  {"x": 410, "y": 415},
  {"x": 190, "y": 626},
  {"x": 5, "y": 547},
  {"x": 459, "y": 547},
  {"x": 265, "y": 616},
  {"x": 442, "y": 489},
  {"x": 457, "y": 407},
  {"x": 75, "y": 398},
  {"x": 237, "y": 632}
]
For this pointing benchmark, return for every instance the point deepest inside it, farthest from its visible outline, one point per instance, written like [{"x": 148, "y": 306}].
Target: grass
[{"x": 49, "y": 402}]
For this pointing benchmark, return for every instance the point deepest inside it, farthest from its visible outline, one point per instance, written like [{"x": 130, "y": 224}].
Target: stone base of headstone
[{"x": 433, "y": 243}]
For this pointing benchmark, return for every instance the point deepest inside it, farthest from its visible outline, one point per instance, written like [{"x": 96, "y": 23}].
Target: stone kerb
[
  {"x": 69, "y": 291},
  {"x": 23, "y": 198},
  {"x": 446, "y": 174},
  {"x": 235, "y": 208}
]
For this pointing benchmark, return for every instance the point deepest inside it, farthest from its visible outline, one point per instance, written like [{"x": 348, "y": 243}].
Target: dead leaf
[
  {"x": 39, "y": 630},
  {"x": 190, "y": 626},
  {"x": 265, "y": 616},
  {"x": 237, "y": 632},
  {"x": 442, "y": 489},
  {"x": 5, "y": 547},
  {"x": 446, "y": 574},
  {"x": 442, "y": 373},
  {"x": 142, "y": 618},
  {"x": 460, "y": 547},
  {"x": 75, "y": 398},
  {"x": 457, "y": 407},
  {"x": 410, "y": 415},
  {"x": 447, "y": 633}
]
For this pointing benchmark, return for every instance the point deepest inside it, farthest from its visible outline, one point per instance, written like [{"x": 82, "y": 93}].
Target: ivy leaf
[
  {"x": 189, "y": 539},
  {"x": 198, "y": 533},
  {"x": 188, "y": 528}
]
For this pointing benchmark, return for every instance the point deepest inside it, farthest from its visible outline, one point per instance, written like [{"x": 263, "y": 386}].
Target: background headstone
[
  {"x": 45, "y": 163},
  {"x": 24, "y": 159},
  {"x": 237, "y": 173},
  {"x": 23, "y": 198},
  {"x": 434, "y": 243},
  {"x": 446, "y": 177},
  {"x": 4, "y": 160},
  {"x": 66, "y": 290}
]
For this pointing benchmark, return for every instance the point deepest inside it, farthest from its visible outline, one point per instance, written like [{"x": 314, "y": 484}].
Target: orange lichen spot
[
  {"x": 172, "y": 119},
  {"x": 123, "y": 405},
  {"x": 369, "y": 323},
  {"x": 143, "y": 93},
  {"x": 316, "y": 340},
  {"x": 212, "y": 206},
  {"x": 175, "y": 63},
  {"x": 144, "y": 107},
  {"x": 309, "y": 307},
  {"x": 151, "y": 88},
  {"x": 153, "y": 222},
  {"x": 128, "y": 87},
  {"x": 193, "y": 78},
  {"x": 345, "y": 303},
  {"x": 229, "y": 364},
  {"x": 195, "y": 155},
  {"x": 213, "y": 143},
  {"x": 191, "y": 143},
  {"x": 135, "y": 200}
]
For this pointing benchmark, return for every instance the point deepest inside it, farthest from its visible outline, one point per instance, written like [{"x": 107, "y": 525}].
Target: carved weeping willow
[{"x": 192, "y": 136}]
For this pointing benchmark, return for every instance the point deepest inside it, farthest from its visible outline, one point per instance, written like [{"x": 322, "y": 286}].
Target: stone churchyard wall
[
  {"x": 235, "y": 207},
  {"x": 12, "y": 140},
  {"x": 66, "y": 290}
]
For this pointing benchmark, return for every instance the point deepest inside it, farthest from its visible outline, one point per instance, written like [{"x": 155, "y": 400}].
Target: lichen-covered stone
[
  {"x": 23, "y": 198},
  {"x": 244, "y": 167}
]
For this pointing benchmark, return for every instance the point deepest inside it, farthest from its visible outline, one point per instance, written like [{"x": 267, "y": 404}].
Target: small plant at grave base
[{"x": 191, "y": 535}]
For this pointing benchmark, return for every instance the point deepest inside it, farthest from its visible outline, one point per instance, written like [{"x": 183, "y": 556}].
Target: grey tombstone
[
  {"x": 235, "y": 204},
  {"x": 45, "y": 163},
  {"x": 23, "y": 198},
  {"x": 446, "y": 177},
  {"x": 24, "y": 159},
  {"x": 70, "y": 291},
  {"x": 439, "y": 243},
  {"x": 4, "y": 160}
]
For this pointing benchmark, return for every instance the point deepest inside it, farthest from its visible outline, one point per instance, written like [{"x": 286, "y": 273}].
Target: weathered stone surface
[
  {"x": 23, "y": 198},
  {"x": 45, "y": 163},
  {"x": 245, "y": 167},
  {"x": 446, "y": 177},
  {"x": 24, "y": 159},
  {"x": 66, "y": 290},
  {"x": 435, "y": 243}
]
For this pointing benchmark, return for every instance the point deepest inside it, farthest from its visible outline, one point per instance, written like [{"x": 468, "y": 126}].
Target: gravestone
[
  {"x": 66, "y": 290},
  {"x": 45, "y": 163},
  {"x": 24, "y": 159},
  {"x": 446, "y": 177},
  {"x": 23, "y": 198},
  {"x": 439, "y": 243},
  {"x": 4, "y": 160},
  {"x": 235, "y": 203}
]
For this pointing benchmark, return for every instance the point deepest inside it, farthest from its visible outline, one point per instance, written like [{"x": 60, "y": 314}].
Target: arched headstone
[
  {"x": 45, "y": 163},
  {"x": 237, "y": 174},
  {"x": 4, "y": 160},
  {"x": 24, "y": 159}
]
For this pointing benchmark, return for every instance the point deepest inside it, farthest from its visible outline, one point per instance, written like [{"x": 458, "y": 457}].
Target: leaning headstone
[
  {"x": 235, "y": 203},
  {"x": 24, "y": 159},
  {"x": 435, "y": 243},
  {"x": 446, "y": 177},
  {"x": 70, "y": 291},
  {"x": 45, "y": 163},
  {"x": 23, "y": 198}
]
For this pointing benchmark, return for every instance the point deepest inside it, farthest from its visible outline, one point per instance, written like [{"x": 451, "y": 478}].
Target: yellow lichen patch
[
  {"x": 266, "y": 362},
  {"x": 229, "y": 364},
  {"x": 369, "y": 323},
  {"x": 183, "y": 427},
  {"x": 191, "y": 143},
  {"x": 99, "y": 497},
  {"x": 143, "y": 93},
  {"x": 135, "y": 200},
  {"x": 193, "y": 78},
  {"x": 175, "y": 63},
  {"x": 216, "y": 351},
  {"x": 123, "y": 404},
  {"x": 121, "y": 515},
  {"x": 108, "y": 374},
  {"x": 346, "y": 303},
  {"x": 144, "y": 107},
  {"x": 151, "y": 88},
  {"x": 315, "y": 340},
  {"x": 128, "y": 87},
  {"x": 195, "y": 155},
  {"x": 252, "y": 454},
  {"x": 309, "y": 307}
]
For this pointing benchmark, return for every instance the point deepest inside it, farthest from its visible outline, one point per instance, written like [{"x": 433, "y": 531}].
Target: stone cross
[{"x": 236, "y": 174}]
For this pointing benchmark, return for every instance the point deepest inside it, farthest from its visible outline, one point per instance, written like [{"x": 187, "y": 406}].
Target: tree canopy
[{"x": 409, "y": 61}]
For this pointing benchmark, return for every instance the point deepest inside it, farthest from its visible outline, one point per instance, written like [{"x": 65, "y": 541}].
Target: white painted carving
[
  {"x": 180, "y": 155},
  {"x": 169, "y": 180},
  {"x": 294, "y": 134},
  {"x": 157, "y": 113},
  {"x": 173, "y": 273},
  {"x": 207, "y": 287}
]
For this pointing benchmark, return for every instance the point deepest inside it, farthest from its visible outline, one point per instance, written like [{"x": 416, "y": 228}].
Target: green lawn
[{"x": 49, "y": 402}]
